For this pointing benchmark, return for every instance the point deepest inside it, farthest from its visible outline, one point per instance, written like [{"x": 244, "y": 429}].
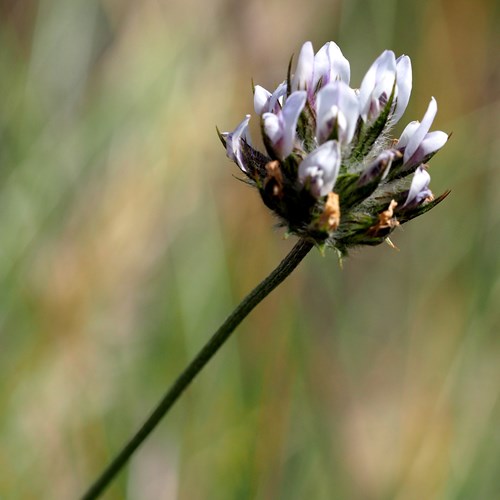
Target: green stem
[{"x": 286, "y": 266}]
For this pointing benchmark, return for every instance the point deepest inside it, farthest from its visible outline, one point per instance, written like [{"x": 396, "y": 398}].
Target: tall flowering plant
[{"x": 330, "y": 171}]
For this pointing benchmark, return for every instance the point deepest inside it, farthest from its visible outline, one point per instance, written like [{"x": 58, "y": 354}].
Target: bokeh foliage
[{"x": 125, "y": 240}]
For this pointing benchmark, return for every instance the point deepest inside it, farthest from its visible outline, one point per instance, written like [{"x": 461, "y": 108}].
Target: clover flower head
[{"x": 330, "y": 171}]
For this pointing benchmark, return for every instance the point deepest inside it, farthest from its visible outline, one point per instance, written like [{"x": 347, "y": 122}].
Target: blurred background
[{"x": 125, "y": 240}]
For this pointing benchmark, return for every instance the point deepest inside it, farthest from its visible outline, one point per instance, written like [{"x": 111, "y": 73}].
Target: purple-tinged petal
[
  {"x": 305, "y": 68},
  {"x": 432, "y": 142},
  {"x": 419, "y": 189},
  {"x": 265, "y": 102},
  {"x": 320, "y": 168},
  {"x": 404, "y": 83},
  {"x": 289, "y": 117},
  {"x": 281, "y": 128},
  {"x": 350, "y": 107},
  {"x": 322, "y": 66},
  {"x": 330, "y": 65},
  {"x": 261, "y": 98},
  {"x": 233, "y": 142},
  {"x": 407, "y": 133},
  {"x": 272, "y": 128},
  {"x": 383, "y": 89},
  {"x": 419, "y": 134},
  {"x": 337, "y": 104},
  {"x": 380, "y": 167},
  {"x": 386, "y": 73},
  {"x": 327, "y": 107},
  {"x": 275, "y": 99},
  {"x": 378, "y": 80}
]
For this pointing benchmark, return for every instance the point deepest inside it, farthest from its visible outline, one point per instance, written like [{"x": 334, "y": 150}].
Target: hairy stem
[{"x": 286, "y": 266}]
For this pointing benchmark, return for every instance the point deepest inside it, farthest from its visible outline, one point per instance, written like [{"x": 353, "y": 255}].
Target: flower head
[{"x": 330, "y": 172}]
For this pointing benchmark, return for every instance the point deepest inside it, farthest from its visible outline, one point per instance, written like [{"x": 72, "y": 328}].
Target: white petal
[
  {"x": 330, "y": 64},
  {"x": 326, "y": 99},
  {"x": 350, "y": 107},
  {"x": 384, "y": 86},
  {"x": 420, "y": 182},
  {"x": 404, "y": 83},
  {"x": 321, "y": 167},
  {"x": 261, "y": 99},
  {"x": 378, "y": 78},
  {"x": 366, "y": 89},
  {"x": 386, "y": 74},
  {"x": 341, "y": 68},
  {"x": 273, "y": 101},
  {"x": 272, "y": 127},
  {"x": 407, "y": 133},
  {"x": 336, "y": 101},
  {"x": 305, "y": 68},
  {"x": 289, "y": 117},
  {"x": 321, "y": 66},
  {"x": 386, "y": 63},
  {"x": 419, "y": 134},
  {"x": 233, "y": 142},
  {"x": 432, "y": 142}
]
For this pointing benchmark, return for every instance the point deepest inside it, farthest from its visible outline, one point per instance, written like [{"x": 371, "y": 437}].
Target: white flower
[
  {"x": 320, "y": 168},
  {"x": 330, "y": 65},
  {"x": 337, "y": 106},
  {"x": 280, "y": 128},
  {"x": 418, "y": 142},
  {"x": 265, "y": 102},
  {"x": 419, "y": 189},
  {"x": 377, "y": 85}
]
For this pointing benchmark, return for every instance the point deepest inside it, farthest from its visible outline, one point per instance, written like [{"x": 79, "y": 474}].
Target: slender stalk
[{"x": 286, "y": 266}]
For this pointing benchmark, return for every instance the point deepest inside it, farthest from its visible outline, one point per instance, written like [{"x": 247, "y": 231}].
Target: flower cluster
[{"x": 331, "y": 173}]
